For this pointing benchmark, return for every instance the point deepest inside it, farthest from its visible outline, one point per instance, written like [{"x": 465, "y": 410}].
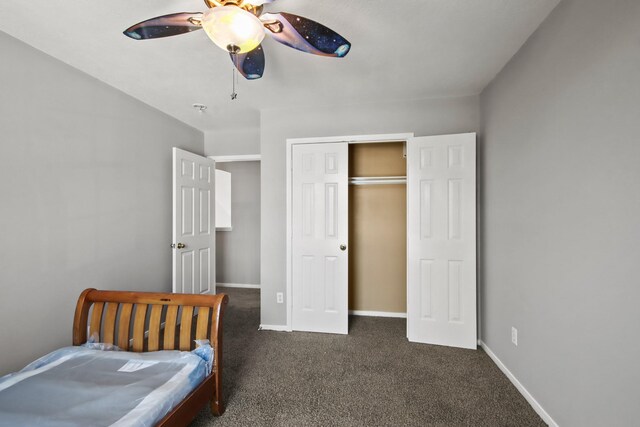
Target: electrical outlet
[
  {"x": 514, "y": 336},
  {"x": 280, "y": 298}
]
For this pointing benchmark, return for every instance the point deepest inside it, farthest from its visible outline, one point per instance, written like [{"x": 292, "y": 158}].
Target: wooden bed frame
[{"x": 152, "y": 320}]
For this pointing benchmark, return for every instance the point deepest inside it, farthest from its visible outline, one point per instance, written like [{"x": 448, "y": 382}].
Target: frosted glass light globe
[{"x": 233, "y": 29}]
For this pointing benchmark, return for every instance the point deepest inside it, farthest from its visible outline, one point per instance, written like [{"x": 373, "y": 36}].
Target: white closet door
[
  {"x": 441, "y": 240},
  {"x": 319, "y": 237},
  {"x": 194, "y": 253}
]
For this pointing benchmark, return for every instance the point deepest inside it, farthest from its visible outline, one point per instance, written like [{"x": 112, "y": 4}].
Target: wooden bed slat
[
  {"x": 154, "y": 328},
  {"x": 110, "y": 323},
  {"x": 138, "y": 327},
  {"x": 185, "y": 328},
  {"x": 96, "y": 320},
  {"x": 170, "y": 328},
  {"x": 124, "y": 326},
  {"x": 203, "y": 323}
]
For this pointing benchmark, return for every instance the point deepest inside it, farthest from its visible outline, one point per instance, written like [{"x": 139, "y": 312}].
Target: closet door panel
[
  {"x": 441, "y": 240},
  {"x": 319, "y": 226}
]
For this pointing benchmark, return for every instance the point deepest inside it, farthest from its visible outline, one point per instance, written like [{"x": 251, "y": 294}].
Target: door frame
[
  {"x": 233, "y": 159},
  {"x": 290, "y": 142}
]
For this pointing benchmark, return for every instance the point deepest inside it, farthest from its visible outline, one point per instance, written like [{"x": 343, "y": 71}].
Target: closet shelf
[{"x": 377, "y": 180}]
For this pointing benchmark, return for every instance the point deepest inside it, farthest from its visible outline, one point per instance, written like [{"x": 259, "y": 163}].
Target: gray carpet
[{"x": 371, "y": 377}]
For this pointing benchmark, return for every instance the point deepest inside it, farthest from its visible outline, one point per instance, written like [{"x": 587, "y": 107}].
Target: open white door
[
  {"x": 441, "y": 240},
  {"x": 319, "y": 237},
  {"x": 194, "y": 235}
]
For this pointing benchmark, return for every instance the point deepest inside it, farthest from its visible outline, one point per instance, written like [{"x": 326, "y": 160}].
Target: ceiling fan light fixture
[{"x": 233, "y": 29}]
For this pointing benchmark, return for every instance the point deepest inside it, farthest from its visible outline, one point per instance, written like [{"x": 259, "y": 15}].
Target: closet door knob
[{"x": 343, "y": 247}]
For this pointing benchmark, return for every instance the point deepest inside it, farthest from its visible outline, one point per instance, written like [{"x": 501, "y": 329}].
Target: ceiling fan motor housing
[{"x": 233, "y": 28}]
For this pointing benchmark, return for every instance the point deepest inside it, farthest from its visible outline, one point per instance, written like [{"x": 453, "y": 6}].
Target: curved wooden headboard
[{"x": 151, "y": 315}]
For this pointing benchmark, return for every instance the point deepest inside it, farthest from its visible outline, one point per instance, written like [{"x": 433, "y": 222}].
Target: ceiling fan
[{"x": 239, "y": 26}]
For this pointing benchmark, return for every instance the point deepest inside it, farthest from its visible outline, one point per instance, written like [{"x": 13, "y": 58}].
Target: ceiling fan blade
[
  {"x": 250, "y": 64},
  {"x": 305, "y": 35},
  {"x": 165, "y": 26}
]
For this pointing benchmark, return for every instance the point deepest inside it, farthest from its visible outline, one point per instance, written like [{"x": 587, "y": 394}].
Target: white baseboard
[
  {"x": 523, "y": 391},
  {"x": 278, "y": 328},
  {"x": 377, "y": 314},
  {"x": 237, "y": 285}
]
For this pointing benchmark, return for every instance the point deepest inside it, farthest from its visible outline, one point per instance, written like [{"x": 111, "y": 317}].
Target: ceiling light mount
[{"x": 200, "y": 107}]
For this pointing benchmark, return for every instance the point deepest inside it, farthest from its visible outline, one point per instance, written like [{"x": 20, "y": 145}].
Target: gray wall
[
  {"x": 561, "y": 220},
  {"x": 227, "y": 142},
  {"x": 85, "y": 191},
  {"x": 238, "y": 251},
  {"x": 423, "y": 117}
]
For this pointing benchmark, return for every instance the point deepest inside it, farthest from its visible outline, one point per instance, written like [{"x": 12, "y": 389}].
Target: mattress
[{"x": 80, "y": 386}]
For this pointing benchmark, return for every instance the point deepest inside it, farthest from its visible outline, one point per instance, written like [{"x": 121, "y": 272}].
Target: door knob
[
  {"x": 179, "y": 246},
  {"x": 343, "y": 247}
]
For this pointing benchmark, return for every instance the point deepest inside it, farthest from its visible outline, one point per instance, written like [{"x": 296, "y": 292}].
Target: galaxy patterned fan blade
[
  {"x": 250, "y": 64},
  {"x": 165, "y": 26},
  {"x": 305, "y": 35}
]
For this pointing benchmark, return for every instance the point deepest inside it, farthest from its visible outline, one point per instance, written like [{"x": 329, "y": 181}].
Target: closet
[
  {"x": 377, "y": 229},
  {"x": 374, "y": 233}
]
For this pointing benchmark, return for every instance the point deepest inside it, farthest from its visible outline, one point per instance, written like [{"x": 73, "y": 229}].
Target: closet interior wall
[{"x": 377, "y": 230}]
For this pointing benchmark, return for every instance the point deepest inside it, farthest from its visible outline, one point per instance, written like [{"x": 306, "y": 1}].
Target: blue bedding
[{"x": 80, "y": 386}]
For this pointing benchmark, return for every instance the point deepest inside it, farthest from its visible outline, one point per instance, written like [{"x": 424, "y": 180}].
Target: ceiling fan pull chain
[{"x": 234, "y": 78}]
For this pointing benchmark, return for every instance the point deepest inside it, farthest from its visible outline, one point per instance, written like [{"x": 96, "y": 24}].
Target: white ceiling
[{"x": 407, "y": 49}]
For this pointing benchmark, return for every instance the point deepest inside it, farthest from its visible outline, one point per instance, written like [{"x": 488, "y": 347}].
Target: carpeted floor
[{"x": 371, "y": 377}]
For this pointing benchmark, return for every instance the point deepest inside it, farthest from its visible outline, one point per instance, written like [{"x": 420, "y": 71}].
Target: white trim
[
  {"x": 224, "y": 228},
  {"x": 377, "y": 314},
  {"x": 523, "y": 391},
  {"x": 351, "y": 139},
  {"x": 289, "y": 236},
  {"x": 238, "y": 285},
  {"x": 277, "y": 328},
  {"x": 237, "y": 158},
  {"x": 354, "y": 139}
]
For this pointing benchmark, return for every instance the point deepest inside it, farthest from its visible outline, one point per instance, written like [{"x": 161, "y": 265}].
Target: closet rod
[{"x": 377, "y": 180}]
